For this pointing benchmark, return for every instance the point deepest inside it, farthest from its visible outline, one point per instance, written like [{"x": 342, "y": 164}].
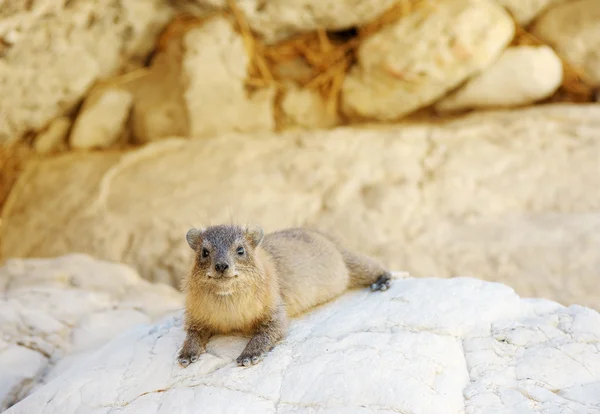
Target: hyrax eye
[
  {"x": 240, "y": 251},
  {"x": 204, "y": 252}
]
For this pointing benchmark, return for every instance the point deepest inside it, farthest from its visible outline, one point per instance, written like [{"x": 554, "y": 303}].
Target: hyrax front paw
[
  {"x": 189, "y": 354},
  {"x": 382, "y": 283},
  {"x": 249, "y": 358}
]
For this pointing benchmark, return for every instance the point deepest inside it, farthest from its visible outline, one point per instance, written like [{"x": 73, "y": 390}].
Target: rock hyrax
[{"x": 247, "y": 282}]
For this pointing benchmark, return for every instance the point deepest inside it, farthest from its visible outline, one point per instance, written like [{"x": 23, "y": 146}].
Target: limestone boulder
[
  {"x": 439, "y": 346},
  {"x": 53, "y": 311},
  {"x": 412, "y": 63},
  {"x": 306, "y": 108},
  {"x": 573, "y": 30},
  {"x": 197, "y": 87},
  {"x": 502, "y": 195},
  {"x": 276, "y": 20},
  {"x": 56, "y": 50},
  {"x": 17, "y": 17},
  {"x": 521, "y": 76},
  {"x": 102, "y": 119},
  {"x": 54, "y": 137}
]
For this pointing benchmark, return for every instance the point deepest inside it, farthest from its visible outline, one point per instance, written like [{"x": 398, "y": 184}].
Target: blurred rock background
[{"x": 446, "y": 137}]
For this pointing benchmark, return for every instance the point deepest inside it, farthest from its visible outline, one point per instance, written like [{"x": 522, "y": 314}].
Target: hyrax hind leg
[{"x": 366, "y": 271}]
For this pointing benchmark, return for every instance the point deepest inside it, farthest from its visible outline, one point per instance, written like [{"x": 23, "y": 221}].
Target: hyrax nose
[{"x": 221, "y": 267}]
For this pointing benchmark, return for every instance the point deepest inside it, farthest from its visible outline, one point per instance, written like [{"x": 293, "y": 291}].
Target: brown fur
[{"x": 268, "y": 279}]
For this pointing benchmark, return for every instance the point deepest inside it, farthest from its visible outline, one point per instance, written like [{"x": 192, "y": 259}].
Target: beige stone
[
  {"x": 102, "y": 118},
  {"x": 197, "y": 87},
  {"x": 61, "y": 308},
  {"x": 275, "y": 20},
  {"x": 521, "y": 76},
  {"x": 60, "y": 51},
  {"x": 443, "y": 346},
  {"x": 525, "y": 11},
  {"x": 306, "y": 108},
  {"x": 159, "y": 109},
  {"x": 215, "y": 67},
  {"x": 54, "y": 137},
  {"x": 573, "y": 30},
  {"x": 499, "y": 195},
  {"x": 18, "y": 16},
  {"x": 412, "y": 63}
]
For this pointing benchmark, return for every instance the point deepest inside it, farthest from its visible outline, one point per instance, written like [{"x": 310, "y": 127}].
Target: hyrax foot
[
  {"x": 246, "y": 359},
  {"x": 249, "y": 358},
  {"x": 382, "y": 283},
  {"x": 189, "y": 354}
]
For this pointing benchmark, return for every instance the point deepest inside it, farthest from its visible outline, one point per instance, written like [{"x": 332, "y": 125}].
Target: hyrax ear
[
  {"x": 193, "y": 237},
  {"x": 255, "y": 235}
]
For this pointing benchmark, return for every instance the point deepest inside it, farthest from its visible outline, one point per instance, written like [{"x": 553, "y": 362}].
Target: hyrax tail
[{"x": 366, "y": 271}]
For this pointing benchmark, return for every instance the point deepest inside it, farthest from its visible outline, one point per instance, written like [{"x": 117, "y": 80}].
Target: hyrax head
[{"x": 224, "y": 251}]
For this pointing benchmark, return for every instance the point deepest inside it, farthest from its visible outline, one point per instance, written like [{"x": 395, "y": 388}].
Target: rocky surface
[
  {"x": 54, "y": 311},
  {"x": 424, "y": 346},
  {"x": 412, "y": 63},
  {"x": 276, "y": 20},
  {"x": 197, "y": 87},
  {"x": 54, "y": 137},
  {"x": 521, "y": 76},
  {"x": 502, "y": 195},
  {"x": 102, "y": 118},
  {"x": 572, "y": 29},
  {"x": 306, "y": 108},
  {"x": 53, "y": 51}
]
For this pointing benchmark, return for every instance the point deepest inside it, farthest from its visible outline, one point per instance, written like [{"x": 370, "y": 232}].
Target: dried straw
[
  {"x": 329, "y": 56},
  {"x": 12, "y": 159}
]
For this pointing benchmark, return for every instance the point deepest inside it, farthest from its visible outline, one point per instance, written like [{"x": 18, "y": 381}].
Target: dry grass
[
  {"x": 328, "y": 55},
  {"x": 12, "y": 159},
  {"x": 176, "y": 28}
]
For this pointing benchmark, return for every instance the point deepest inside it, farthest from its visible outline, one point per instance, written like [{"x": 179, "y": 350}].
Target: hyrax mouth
[{"x": 222, "y": 278}]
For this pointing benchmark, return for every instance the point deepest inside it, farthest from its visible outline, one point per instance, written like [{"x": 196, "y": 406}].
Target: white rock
[
  {"x": 412, "y": 63},
  {"x": 275, "y": 20},
  {"x": 54, "y": 137},
  {"x": 521, "y": 76},
  {"x": 306, "y": 108},
  {"x": 216, "y": 98},
  {"x": 573, "y": 30},
  {"x": 502, "y": 195},
  {"x": 102, "y": 118},
  {"x": 17, "y": 17},
  {"x": 526, "y": 11},
  {"x": 20, "y": 368},
  {"x": 424, "y": 346},
  {"x": 197, "y": 87},
  {"x": 51, "y": 308},
  {"x": 57, "y": 52}
]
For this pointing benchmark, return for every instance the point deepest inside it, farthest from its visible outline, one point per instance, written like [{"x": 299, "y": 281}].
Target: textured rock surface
[
  {"x": 197, "y": 87},
  {"x": 276, "y": 20},
  {"x": 102, "y": 118},
  {"x": 424, "y": 346},
  {"x": 573, "y": 30},
  {"x": 521, "y": 76},
  {"x": 410, "y": 64},
  {"x": 56, "y": 50},
  {"x": 525, "y": 11},
  {"x": 306, "y": 108},
  {"x": 54, "y": 137},
  {"x": 504, "y": 195},
  {"x": 66, "y": 307}
]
